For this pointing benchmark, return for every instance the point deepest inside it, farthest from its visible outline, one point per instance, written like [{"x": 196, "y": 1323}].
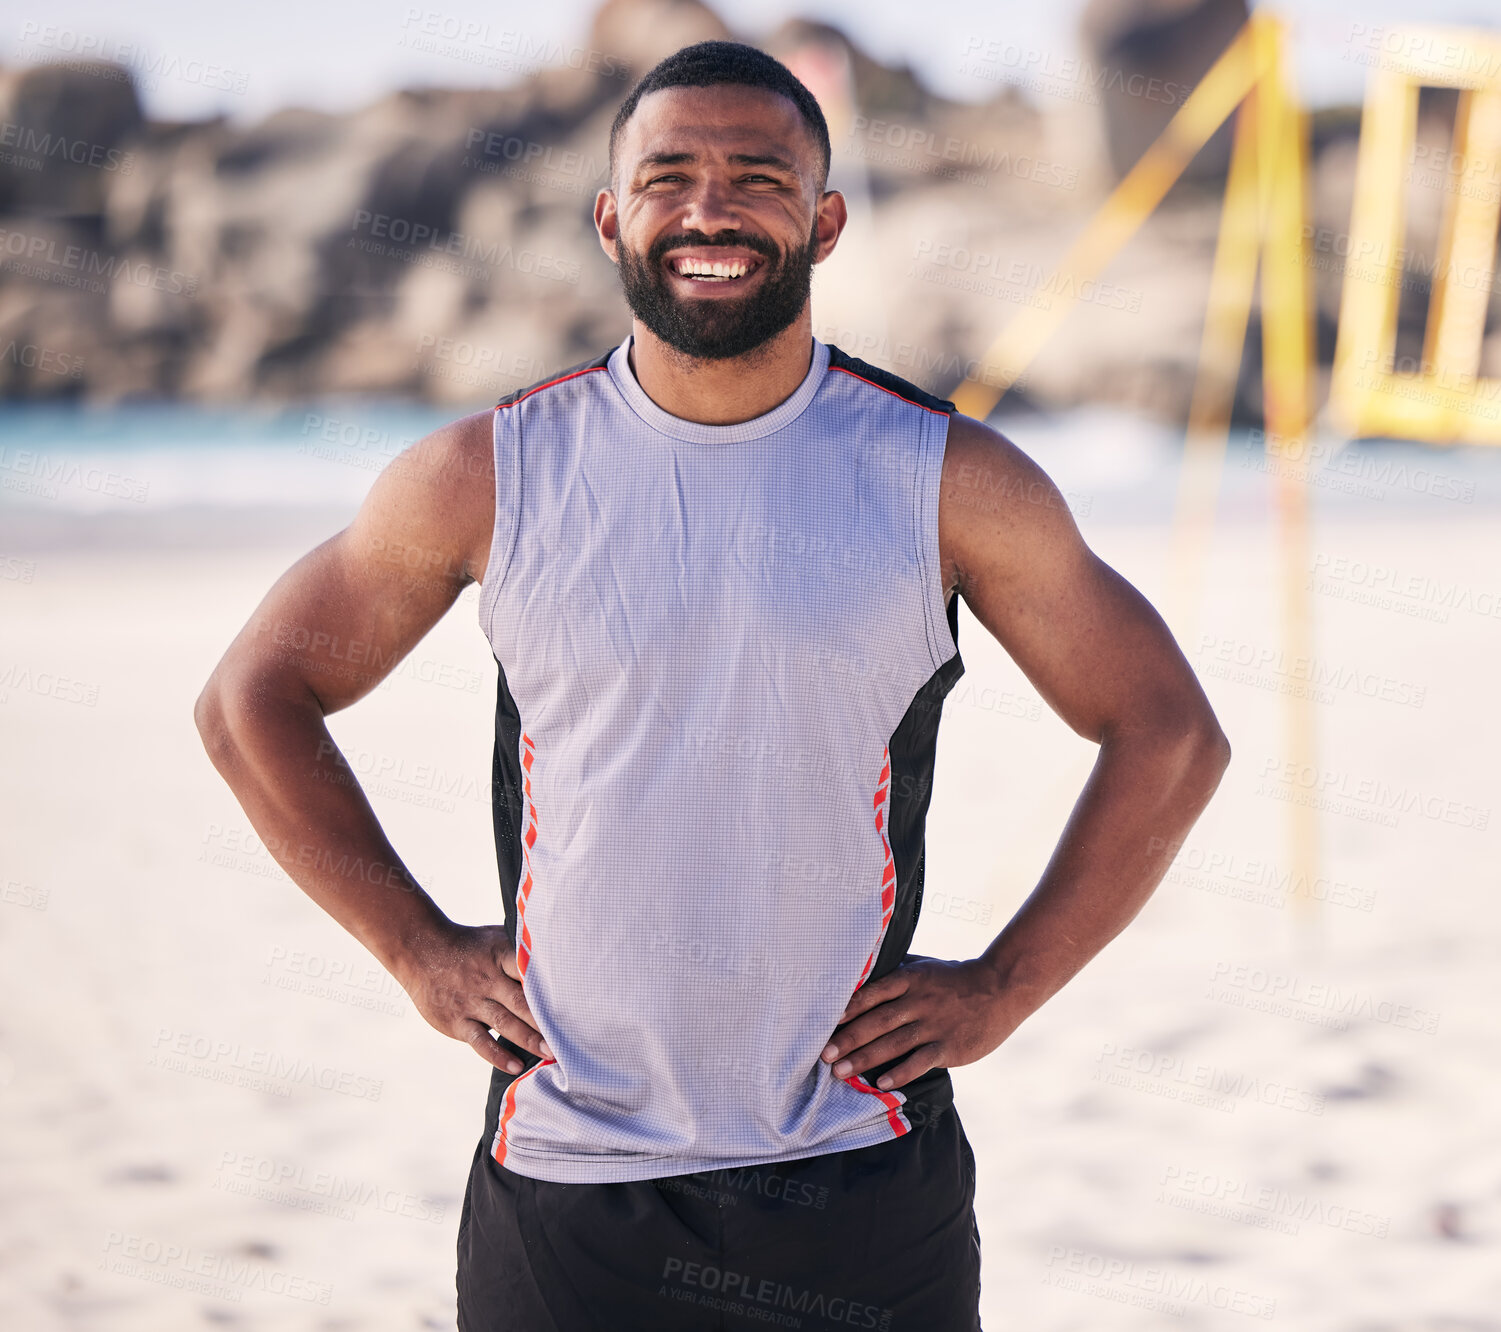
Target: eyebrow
[{"x": 737, "y": 159}]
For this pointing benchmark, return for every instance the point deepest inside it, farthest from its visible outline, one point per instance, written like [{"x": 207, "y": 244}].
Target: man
[{"x": 718, "y": 567}]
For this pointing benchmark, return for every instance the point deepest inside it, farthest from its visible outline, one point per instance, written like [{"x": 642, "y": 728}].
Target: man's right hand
[{"x": 465, "y": 982}]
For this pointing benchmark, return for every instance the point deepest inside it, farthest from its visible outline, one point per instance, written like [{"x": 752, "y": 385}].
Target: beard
[{"x": 718, "y": 328}]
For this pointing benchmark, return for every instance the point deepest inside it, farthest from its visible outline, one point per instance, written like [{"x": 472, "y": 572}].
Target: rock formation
[{"x": 438, "y": 244}]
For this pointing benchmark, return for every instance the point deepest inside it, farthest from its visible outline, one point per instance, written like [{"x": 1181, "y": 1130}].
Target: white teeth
[{"x": 717, "y": 269}]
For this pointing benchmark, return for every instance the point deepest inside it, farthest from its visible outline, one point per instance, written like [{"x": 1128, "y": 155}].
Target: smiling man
[{"x": 720, "y": 566}]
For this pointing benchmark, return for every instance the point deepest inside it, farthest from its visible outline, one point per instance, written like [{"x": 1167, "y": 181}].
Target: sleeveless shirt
[{"x": 723, "y": 651}]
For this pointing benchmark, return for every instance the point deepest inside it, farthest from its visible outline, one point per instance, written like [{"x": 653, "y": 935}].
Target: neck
[{"x": 723, "y": 392}]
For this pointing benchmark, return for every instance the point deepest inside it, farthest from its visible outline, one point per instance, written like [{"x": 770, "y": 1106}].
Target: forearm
[
  {"x": 274, "y": 750},
  {"x": 1143, "y": 795}
]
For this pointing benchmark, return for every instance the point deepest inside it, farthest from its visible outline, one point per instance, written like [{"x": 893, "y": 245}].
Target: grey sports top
[{"x": 723, "y": 653}]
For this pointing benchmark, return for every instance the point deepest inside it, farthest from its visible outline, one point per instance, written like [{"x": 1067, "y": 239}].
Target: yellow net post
[
  {"x": 1287, "y": 358},
  {"x": 1264, "y": 211},
  {"x": 1118, "y": 219},
  {"x": 1232, "y": 285}
]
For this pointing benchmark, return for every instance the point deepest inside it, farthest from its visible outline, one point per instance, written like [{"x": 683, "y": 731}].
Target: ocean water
[
  {"x": 133, "y": 463},
  {"x": 148, "y": 459}
]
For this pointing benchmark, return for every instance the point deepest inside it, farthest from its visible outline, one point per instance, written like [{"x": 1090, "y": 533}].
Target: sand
[{"x": 218, "y": 1112}]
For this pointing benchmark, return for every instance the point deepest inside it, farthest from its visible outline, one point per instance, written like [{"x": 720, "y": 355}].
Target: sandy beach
[{"x": 218, "y": 1112}]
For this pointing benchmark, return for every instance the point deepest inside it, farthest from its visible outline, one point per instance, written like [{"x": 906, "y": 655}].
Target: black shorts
[{"x": 881, "y": 1237}]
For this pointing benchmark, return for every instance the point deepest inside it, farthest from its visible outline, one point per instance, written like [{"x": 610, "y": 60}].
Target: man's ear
[
  {"x": 832, "y": 216},
  {"x": 607, "y": 223}
]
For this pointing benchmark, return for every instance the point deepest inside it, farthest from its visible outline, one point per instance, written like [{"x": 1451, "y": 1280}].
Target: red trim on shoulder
[
  {"x": 843, "y": 371},
  {"x": 561, "y": 379}
]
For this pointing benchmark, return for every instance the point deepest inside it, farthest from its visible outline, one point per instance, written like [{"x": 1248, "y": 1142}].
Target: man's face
[{"x": 719, "y": 217}]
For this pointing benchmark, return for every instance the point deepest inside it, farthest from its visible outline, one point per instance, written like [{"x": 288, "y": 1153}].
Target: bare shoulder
[
  {"x": 1000, "y": 514},
  {"x": 1090, "y": 643},
  {"x": 434, "y": 505}
]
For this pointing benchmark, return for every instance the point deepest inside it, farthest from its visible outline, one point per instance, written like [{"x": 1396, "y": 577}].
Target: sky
[{"x": 199, "y": 59}]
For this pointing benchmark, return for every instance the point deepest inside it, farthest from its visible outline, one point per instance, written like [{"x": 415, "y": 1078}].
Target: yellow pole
[
  {"x": 1119, "y": 218},
  {"x": 1286, "y": 357},
  {"x": 1232, "y": 285},
  {"x": 1265, "y": 207}
]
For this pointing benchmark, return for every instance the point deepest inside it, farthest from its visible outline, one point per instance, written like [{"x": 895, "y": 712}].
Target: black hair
[{"x": 707, "y": 64}]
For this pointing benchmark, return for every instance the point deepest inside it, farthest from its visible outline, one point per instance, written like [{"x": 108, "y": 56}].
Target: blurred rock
[
  {"x": 1148, "y": 56},
  {"x": 642, "y": 32},
  {"x": 61, "y": 134},
  {"x": 438, "y": 243}
]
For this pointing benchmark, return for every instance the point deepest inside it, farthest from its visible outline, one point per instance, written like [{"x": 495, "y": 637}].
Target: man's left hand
[{"x": 944, "y": 1013}]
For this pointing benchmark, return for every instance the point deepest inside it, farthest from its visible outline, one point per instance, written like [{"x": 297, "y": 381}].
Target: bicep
[
  {"x": 1090, "y": 643},
  {"x": 342, "y": 618}
]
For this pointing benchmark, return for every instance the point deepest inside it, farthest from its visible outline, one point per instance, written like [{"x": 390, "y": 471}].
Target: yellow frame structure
[{"x": 1446, "y": 402}]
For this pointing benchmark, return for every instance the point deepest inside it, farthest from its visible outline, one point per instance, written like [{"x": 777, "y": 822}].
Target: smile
[{"x": 713, "y": 270}]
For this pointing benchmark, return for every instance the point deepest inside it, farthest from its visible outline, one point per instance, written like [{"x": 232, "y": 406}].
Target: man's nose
[{"x": 711, "y": 208}]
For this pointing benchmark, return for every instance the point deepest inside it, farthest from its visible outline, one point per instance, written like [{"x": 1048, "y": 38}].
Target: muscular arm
[
  {"x": 1107, "y": 664},
  {"x": 333, "y": 627}
]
